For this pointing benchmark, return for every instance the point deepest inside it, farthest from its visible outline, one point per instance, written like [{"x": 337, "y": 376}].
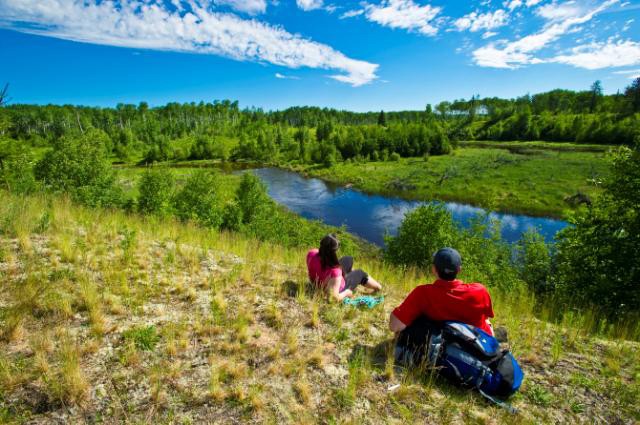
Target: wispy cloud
[
  {"x": 514, "y": 4},
  {"x": 286, "y": 77},
  {"x": 404, "y": 14},
  {"x": 351, "y": 14},
  {"x": 632, "y": 74},
  {"x": 602, "y": 55},
  {"x": 475, "y": 21},
  {"x": 193, "y": 27},
  {"x": 561, "y": 18},
  {"x": 307, "y": 5},
  {"x": 252, "y": 7},
  {"x": 627, "y": 25}
]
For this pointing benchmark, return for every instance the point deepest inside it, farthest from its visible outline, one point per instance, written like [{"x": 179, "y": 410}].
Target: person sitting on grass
[
  {"x": 447, "y": 299},
  {"x": 336, "y": 276}
]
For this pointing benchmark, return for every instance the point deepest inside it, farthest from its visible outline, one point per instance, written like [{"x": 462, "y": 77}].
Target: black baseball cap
[{"x": 447, "y": 262}]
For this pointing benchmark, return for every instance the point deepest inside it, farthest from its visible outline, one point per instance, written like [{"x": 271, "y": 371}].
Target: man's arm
[{"x": 395, "y": 324}]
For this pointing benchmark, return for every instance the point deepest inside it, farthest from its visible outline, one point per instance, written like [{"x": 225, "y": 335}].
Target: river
[{"x": 370, "y": 216}]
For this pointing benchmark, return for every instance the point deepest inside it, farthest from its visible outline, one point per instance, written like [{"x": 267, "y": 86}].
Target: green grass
[
  {"x": 128, "y": 179},
  {"x": 534, "y": 181},
  {"x": 145, "y": 337},
  {"x": 200, "y": 325}
]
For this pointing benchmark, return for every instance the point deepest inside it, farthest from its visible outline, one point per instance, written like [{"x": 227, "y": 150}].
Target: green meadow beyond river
[{"x": 372, "y": 216}]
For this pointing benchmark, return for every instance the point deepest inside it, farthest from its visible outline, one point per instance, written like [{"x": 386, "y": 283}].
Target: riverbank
[
  {"x": 535, "y": 181},
  {"x": 294, "y": 230}
]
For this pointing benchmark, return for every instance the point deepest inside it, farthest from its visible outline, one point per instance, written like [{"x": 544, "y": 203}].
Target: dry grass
[{"x": 125, "y": 319}]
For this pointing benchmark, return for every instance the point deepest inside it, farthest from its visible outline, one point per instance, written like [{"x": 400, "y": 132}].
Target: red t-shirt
[
  {"x": 321, "y": 276},
  {"x": 448, "y": 300}
]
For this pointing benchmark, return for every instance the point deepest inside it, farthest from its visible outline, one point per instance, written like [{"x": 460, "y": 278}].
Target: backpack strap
[{"x": 509, "y": 408}]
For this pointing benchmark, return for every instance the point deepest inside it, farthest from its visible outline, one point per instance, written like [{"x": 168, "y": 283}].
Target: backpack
[{"x": 467, "y": 356}]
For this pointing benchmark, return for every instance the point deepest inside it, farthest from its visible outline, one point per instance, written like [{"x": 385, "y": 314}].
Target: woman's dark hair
[{"x": 329, "y": 246}]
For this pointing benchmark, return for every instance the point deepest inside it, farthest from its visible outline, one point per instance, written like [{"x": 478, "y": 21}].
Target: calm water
[{"x": 370, "y": 216}]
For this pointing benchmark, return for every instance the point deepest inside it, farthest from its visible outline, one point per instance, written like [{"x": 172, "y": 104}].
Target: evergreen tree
[
  {"x": 596, "y": 94},
  {"x": 632, "y": 93}
]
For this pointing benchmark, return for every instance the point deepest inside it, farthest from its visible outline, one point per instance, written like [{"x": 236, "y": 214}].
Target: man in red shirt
[{"x": 446, "y": 299}]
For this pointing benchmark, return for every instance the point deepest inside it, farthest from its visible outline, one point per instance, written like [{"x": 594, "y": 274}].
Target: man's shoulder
[{"x": 477, "y": 288}]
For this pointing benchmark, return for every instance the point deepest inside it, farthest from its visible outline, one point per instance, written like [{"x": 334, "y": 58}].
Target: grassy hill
[{"x": 109, "y": 317}]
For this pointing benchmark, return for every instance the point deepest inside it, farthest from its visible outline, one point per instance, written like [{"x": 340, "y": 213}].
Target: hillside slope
[{"x": 114, "y": 318}]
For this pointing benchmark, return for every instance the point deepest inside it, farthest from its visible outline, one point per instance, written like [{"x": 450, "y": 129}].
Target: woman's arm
[{"x": 333, "y": 286}]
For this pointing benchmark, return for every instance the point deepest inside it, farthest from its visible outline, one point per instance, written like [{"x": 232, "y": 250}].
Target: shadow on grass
[
  {"x": 380, "y": 357},
  {"x": 294, "y": 289},
  {"x": 377, "y": 355}
]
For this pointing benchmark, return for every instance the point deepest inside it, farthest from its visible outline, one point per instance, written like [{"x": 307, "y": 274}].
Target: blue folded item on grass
[{"x": 363, "y": 301}]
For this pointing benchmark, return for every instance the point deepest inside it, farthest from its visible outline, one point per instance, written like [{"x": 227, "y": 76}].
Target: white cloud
[
  {"x": 602, "y": 55},
  {"x": 151, "y": 25},
  {"x": 505, "y": 54},
  {"x": 627, "y": 25},
  {"x": 514, "y": 4},
  {"x": 475, "y": 21},
  {"x": 248, "y": 6},
  {"x": 632, "y": 74},
  {"x": 286, "y": 77},
  {"x": 351, "y": 14},
  {"x": 307, "y": 5},
  {"x": 404, "y": 14},
  {"x": 488, "y": 34},
  {"x": 559, "y": 12}
]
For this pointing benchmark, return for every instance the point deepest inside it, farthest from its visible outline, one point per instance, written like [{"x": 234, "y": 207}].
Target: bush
[
  {"x": 252, "y": 197},
  {"x": 599, "y": 256},
  {"x": 16, "y": 169},
  {"x": 485, "y": 257},
  {"x": 159, "y": 151},
  {"x": 155, "y": 191},
  {"x": 80, "y": 166},
  {"x": 422, "y": 232},
  {"x": 198, "y": 200},
  {"x": 232, "y": 217},
  {"x": 395, "y": 157},
  {"x": 533, "y": 258}
]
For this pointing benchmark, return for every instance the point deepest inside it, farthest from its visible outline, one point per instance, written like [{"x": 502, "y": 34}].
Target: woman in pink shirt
[{"x": 333, "y": 275}]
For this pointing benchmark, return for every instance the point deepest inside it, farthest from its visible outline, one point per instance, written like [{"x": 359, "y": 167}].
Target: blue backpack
[{"x": 470, "y": 357}]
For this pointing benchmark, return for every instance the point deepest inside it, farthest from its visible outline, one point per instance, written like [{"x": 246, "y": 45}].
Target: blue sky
[{"x": 357, "y": 55}]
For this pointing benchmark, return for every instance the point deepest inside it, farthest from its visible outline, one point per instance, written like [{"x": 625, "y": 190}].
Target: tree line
[{"x": 221, "y": 130}]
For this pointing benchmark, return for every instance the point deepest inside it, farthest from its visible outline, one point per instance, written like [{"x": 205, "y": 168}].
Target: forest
[{"x": 311, "y": 135}]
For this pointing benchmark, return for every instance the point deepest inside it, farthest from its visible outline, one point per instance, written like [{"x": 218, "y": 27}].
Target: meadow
[
  {"x": 110, "y": 316},
  {"x": 533, "y": 178}
]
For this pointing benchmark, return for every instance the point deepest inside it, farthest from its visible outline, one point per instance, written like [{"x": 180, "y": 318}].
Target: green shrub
[
  {"x": 80, "y": 166},
  {"x": 232, "y": 217},
  {"x": 160, "y": 150},
  {"x": 16, "y": 169},
  {"x": 422, "y": 232},
  {"x": 198, "y": 200},
  {"x": 599, "y": 256},
  {"x": 486, "y": 258},
  {"x": 144, "y": 337},
  {"x": 533, "y": 260},
  {"x": 252, "y": 197},
  {"x": 155, "y": 191},
  {"x": 395, "y": 157}
]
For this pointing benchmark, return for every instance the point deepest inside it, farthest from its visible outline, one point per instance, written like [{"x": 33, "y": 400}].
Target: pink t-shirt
[{"x": 321, "y": 276}]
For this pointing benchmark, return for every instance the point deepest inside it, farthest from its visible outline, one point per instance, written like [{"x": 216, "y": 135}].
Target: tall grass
[{"x": 191, "y": 317}]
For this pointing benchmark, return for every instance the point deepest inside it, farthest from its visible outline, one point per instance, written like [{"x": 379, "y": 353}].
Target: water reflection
[{"x": 371, "y": 216}]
